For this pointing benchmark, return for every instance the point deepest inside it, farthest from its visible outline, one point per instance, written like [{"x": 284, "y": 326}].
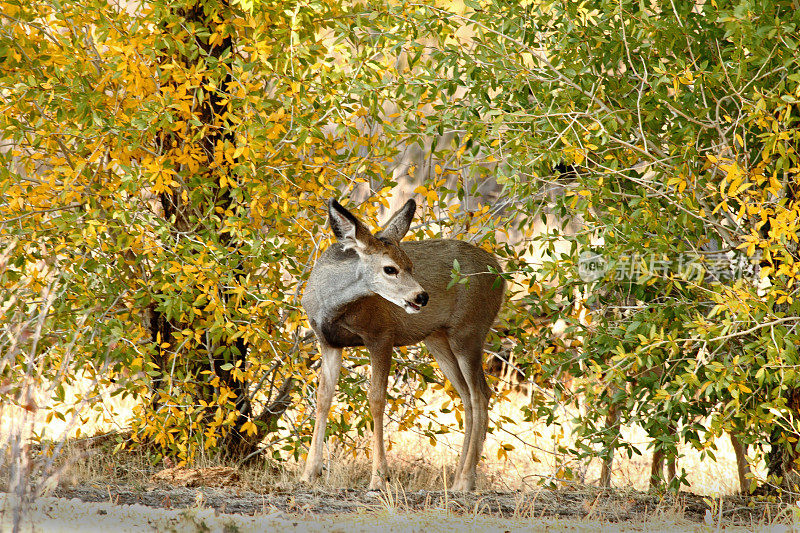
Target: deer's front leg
[
  {"x": 380, "y": 362},
  {"x": 328, "y": 377}
]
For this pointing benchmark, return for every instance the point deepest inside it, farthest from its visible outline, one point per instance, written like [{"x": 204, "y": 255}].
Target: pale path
[
  {"x": 87, "y": 508},
  {"x": 58, "y": 515}
]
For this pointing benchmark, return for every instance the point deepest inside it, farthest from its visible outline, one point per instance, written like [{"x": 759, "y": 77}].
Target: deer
[{"x": 371, "y": 290}]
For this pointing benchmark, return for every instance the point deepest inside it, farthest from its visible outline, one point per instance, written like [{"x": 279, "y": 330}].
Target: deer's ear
[
  {"x": 398, "y": 225},
  {"x": 348, "y": 230}
]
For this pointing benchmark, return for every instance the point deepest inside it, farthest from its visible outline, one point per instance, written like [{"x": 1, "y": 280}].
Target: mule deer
[{"x": 374, "y": 291}]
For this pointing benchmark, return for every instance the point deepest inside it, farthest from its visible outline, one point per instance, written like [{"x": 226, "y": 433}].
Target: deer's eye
[{"x": 391, "y": 271}]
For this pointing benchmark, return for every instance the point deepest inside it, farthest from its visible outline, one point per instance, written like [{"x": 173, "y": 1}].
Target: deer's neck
[{"x": 334, "y": 283}]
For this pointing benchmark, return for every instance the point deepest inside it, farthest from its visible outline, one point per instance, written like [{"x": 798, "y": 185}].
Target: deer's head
[{"x": 384, "y": 266}]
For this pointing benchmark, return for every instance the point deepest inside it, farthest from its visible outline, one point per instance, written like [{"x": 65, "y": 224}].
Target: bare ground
[
  {"x": 112, "y": 483},
  {"x": 606, "y": 506}
]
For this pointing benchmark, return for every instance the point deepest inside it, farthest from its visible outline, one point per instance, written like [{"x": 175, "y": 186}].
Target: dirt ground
[
  {"x": 604, "y": 506},
  {"x": 98, "y": 490}
]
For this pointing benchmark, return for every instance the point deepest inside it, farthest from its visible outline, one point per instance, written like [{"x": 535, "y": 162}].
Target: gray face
[
  {"x": 385, "y": 268},
  {"x": 388, "y": 272}
]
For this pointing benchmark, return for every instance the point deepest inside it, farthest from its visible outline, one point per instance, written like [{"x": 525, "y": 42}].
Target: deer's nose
[{"x": 421, "y": 299}]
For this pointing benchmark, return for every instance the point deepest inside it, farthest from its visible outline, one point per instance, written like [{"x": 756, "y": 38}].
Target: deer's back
[{"x": 475, "y": 301}]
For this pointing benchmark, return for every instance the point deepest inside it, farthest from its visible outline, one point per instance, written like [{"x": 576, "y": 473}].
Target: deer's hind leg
[
  {"x": 439, "y": 346},
  {"x": 467, "y": 347},
  {"x": 328, "y": 377}
]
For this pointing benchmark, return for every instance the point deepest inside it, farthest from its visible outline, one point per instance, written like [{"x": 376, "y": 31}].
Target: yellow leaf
[
  {"x": 249, "y": 428},
  {"x": 734, "y": 184},
  {"x": 774, "y": 185},
  {"x": 732, "y": 171}
]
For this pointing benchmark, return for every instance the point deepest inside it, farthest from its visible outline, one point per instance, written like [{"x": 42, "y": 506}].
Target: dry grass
[
  {"x": 535, "y": 457},
  {"x": 417, "y": 467},
  {"x": 415, "y": 463}
]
